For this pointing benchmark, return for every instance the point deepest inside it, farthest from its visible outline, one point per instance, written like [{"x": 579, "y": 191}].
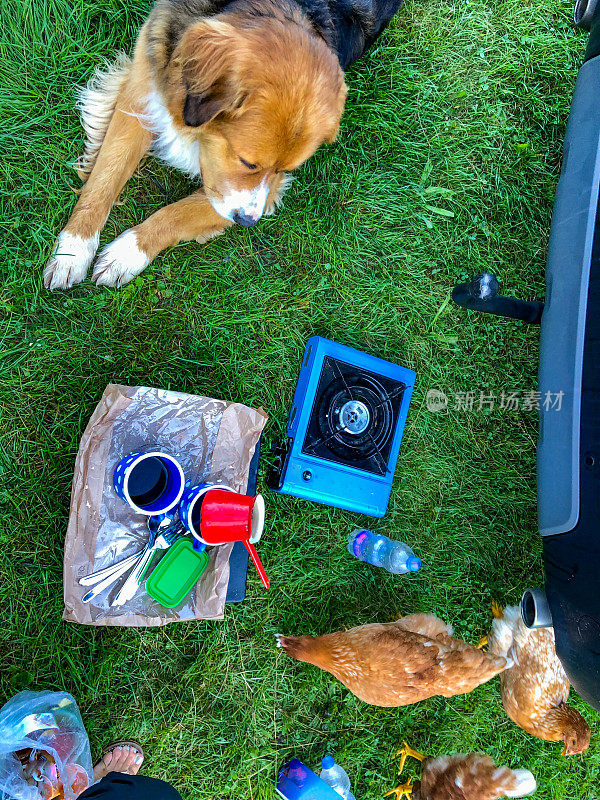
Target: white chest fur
[{"x": 169, "y": 145}]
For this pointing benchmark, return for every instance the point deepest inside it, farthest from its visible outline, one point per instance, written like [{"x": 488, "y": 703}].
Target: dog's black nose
[{"x": 244, "y": 219}]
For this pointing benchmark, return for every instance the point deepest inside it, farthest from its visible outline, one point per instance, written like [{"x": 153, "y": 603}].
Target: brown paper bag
[{"x": 213, "y": 440}]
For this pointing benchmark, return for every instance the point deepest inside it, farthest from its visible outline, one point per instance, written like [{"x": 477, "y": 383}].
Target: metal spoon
[
  {"x": 163, "y": 542},
  {"x": 103, "y": 578}
]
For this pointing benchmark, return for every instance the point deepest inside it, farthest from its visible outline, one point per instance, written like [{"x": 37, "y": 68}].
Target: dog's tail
[{"x": 96, "y": 103}]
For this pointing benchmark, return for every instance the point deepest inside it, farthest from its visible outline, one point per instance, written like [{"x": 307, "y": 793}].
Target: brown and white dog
[{"x": 237, "y": 93}]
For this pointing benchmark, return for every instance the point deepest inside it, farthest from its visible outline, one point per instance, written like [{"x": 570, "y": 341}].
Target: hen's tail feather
[{"x": 525, "y": 783}]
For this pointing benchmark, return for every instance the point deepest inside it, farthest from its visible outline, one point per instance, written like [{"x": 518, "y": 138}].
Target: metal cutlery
[
  {"x": 118, "y": 568},
  {"x": 162, "y": 542},
  {"x": 103, "y": 578},
  {"x": 112, "y": 577}
]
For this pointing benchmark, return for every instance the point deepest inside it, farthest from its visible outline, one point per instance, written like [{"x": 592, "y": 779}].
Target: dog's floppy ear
[
  {"x": 199, "y": 109},
  {"x": 208, "y": 64}
]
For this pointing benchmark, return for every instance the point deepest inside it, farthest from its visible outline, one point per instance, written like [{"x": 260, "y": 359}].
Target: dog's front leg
[
  {"x": 125, "y": 257},
  {"x": 190, "y": 218},
  {"x": 124, "y": 145}
]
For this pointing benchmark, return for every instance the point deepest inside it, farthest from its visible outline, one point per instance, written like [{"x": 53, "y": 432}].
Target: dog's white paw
[
  {"x": 70, "y": 261},
  {"x": 120, "y": 261}
]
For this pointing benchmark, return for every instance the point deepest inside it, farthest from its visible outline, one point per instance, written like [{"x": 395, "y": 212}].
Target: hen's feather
[
  {"x": 471, "y": 777},
  {"x": 534, "y": 687},
  {"x": 394, "y": 664}
]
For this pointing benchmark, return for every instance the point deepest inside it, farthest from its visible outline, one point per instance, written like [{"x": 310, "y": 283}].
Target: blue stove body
[{"x": 310, "y": 471}]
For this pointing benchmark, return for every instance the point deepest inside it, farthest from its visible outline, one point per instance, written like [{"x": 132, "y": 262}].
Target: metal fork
[
  {"x": 103, "y": 578},
  {"x": 162, "y": 542}
]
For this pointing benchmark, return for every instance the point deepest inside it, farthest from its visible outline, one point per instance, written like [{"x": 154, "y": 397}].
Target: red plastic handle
[{"x": 257, "y": 563}]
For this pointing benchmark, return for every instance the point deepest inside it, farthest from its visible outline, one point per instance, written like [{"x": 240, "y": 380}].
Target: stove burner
[
  {"x": 373, "y": 432},
  {"x": 354, "y": 417}
]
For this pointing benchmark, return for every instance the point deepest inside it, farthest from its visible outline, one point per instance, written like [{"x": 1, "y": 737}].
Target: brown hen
[
  {"x": 397, "y": 663},
  {"x": 464, "y": 777},
  {"x": 535, "y": 688}
]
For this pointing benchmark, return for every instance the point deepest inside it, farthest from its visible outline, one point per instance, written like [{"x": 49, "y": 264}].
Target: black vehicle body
[
  {"x": 569, "y": 385},
  {"x": 569, "y": 443}
]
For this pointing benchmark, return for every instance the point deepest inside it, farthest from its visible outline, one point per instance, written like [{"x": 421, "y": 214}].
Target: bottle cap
[
  {"x": 328, "y": 762},
  {"x": 413, "y": 564}
]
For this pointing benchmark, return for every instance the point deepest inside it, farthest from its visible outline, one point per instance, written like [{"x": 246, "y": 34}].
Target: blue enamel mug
[
  {"x": 191, "y": 504},
  {"x": 150, "y": 481}
]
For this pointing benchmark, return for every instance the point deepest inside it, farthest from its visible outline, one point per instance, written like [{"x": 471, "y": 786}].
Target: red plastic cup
[
  {"x": 232, "y": 517},
  {"x": 226, "y": 517}
]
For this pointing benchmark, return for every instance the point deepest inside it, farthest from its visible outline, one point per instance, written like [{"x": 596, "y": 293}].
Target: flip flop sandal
[{"x": 124, "y": 743}]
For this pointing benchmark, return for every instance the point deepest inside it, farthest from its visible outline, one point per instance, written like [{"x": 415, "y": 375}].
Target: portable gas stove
[{"x": 344, "y": 429}]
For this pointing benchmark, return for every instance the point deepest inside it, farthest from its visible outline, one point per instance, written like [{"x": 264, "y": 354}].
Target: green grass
[{"x": 446, "y": 165}]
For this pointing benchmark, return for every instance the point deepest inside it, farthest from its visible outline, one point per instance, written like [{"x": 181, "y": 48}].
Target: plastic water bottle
[
  {"x": 376, "y": 549},
  {"x": 336, "y": 777}
]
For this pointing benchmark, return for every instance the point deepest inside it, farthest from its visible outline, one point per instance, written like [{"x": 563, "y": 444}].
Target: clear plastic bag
[{"x": 44, "y": 749}]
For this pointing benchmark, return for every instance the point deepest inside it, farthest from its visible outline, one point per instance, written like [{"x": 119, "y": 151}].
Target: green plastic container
[{"x": 175, "y": 576}]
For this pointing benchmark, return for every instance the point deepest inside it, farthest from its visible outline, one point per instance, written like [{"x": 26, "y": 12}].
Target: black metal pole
[{"x": 481, "y": 294}]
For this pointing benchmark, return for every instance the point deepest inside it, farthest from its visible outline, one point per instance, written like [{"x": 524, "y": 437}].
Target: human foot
[{"x": 126, "y": 757}]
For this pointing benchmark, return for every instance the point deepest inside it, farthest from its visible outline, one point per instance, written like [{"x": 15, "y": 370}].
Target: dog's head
[{"x": 261, "y": 95}]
